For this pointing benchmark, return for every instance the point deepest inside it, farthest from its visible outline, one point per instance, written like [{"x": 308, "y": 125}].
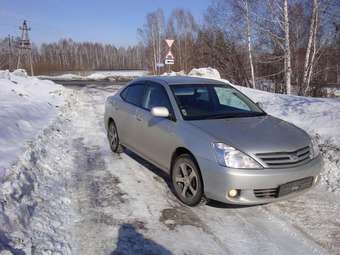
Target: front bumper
[{"x": 219, "y": 180}]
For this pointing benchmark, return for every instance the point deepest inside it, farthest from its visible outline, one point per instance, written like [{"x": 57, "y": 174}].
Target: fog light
[{"x": 233, "y": 193}]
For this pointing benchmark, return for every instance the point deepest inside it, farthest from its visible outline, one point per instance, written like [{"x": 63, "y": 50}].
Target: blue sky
[{"x": 107, "y": 21}]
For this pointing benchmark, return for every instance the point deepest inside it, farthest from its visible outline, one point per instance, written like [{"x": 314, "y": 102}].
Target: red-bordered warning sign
[
  {"x": 169, "y": 58},
  {"x": 169, "y": 42},
  {"x": 169, "y": 55}
]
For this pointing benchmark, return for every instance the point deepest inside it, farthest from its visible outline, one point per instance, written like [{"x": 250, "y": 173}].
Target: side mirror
[
  {"x": 160, "y": 111},
  {"x": 259, "y": 104}
]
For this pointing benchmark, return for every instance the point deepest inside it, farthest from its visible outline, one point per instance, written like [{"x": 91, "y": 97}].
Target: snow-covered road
[{"x": 76, "y": 197}]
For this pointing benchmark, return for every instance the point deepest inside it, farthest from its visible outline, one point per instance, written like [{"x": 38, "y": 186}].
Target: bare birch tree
[
  {"x": 311, "y": 49},
  {"x": 234, "y": 19},
  {"x": 183, "y": 28},
  {"x": 250, "y": 55},
  {"x": 152, "y": 35},
  {"x": 288, "y": 66}
]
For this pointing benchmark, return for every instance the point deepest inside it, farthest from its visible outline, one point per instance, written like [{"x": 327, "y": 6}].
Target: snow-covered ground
[
  {"x": 27, "y": 105},
  {"x": 68, "y": 194},
  {"x": 98, "y": 75}
]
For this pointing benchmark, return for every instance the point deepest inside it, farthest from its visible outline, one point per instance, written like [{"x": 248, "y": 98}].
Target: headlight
[
  {"x": 230, "y": 157},
  {"x": 314, "y": 148}
]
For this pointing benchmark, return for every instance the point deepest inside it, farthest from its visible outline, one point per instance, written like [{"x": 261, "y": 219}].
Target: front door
[{"x": 156, "y": 134}]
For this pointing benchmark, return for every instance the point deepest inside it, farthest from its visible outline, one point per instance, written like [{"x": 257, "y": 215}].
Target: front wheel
[
  {"x": 187, "y": 181},
  {"x": 112, "y": 136}
]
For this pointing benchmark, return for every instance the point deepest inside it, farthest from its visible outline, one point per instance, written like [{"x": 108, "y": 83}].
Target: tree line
[
  {"x": 286, "y": 46},
  {"x": 68, "y": 55}
]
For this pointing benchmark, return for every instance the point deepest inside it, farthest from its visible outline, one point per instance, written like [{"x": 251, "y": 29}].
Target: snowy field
[
  {"x": 27, "y": 106},
  {"x": 98, "y": 75},
  {"x": 68, "y": 194}
]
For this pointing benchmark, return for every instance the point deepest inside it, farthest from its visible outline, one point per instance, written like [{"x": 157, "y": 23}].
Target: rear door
[
  {"x": 127, "y": 122},
  {"x": 156, "y": 135}
]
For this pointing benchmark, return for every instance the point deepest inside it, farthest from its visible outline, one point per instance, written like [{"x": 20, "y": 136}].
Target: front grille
[
  {"x": 285, "y": 159},
  {"x": 285, "y": 189},
  {"x": 266, "y": 193}
]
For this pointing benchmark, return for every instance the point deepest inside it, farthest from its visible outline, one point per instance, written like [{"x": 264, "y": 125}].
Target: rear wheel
[
  {"x": 113, "y": 138},
  {"x": 187, "y": 181}
]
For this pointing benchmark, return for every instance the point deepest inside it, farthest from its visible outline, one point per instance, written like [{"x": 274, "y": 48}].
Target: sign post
[{"x": 169, "y": 58}]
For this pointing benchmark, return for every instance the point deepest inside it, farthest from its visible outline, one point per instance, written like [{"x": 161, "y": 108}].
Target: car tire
[
  {"x": 187, "y": 181},
  {"x": 112, "y": 136}
]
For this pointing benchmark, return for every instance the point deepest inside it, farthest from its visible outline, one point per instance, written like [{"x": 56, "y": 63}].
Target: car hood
[{"x": 253, "y": 135}]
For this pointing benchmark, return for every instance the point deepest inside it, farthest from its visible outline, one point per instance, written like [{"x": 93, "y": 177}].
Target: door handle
[{"x": 138, "y": 116}]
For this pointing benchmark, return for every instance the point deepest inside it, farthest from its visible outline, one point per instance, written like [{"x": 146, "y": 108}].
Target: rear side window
[{"x": 134, "y": 94}]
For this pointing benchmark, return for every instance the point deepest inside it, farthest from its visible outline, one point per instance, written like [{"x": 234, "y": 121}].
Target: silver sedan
[{"x": 212, "y": 140}]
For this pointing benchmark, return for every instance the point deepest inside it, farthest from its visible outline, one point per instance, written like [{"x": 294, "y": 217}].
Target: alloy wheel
[
  {"x": 186, "y": 181},
  {"x": 113, "y": 137}
]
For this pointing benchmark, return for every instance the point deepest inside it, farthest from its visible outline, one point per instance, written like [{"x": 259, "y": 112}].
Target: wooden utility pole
[{"x": 25, "y": 47}]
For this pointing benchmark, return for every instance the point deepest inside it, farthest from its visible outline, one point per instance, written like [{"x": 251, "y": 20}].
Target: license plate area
[{"x": 295, "y": 186}]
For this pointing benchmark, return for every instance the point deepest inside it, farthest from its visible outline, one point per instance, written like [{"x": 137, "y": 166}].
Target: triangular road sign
[
  {"x": 169, "y": 42},
  {"x": 169, "y": 55}
]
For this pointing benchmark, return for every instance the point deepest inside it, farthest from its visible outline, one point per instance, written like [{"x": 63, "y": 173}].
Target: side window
[
  {"x": 229, "y": 97},
  {"x": 156, "y": 95},
  {"x": 134, "y": 94},
  {"x": 123, "y": 94},
  {"x": 202, "y": 94}
]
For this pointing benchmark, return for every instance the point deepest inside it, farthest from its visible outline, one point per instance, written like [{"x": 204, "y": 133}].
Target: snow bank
[
  {"x": 206, "y": 72},
  {"x": 27, "y": 104},
  {"x": 99, "y": 75},
  {"x": 67, "y": 76},
  {"x": 320, "y": 117},
  {"x": 173, "y": 73},
  {"x": 4, "y": 74},
  {"x": 20, "y": 73},
  {"x": 337, "y": 93}
]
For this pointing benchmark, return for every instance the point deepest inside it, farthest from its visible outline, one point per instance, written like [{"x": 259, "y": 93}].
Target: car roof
[{"x": 179, "y": 80}]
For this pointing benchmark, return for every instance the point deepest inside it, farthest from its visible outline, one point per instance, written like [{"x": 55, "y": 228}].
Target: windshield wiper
[
  {"x": 218, "y": 116},
  {"x": 234, "y": 115}
]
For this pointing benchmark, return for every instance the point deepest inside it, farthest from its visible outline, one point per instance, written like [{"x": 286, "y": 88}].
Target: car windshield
[{"x": 197, "y": 102}]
